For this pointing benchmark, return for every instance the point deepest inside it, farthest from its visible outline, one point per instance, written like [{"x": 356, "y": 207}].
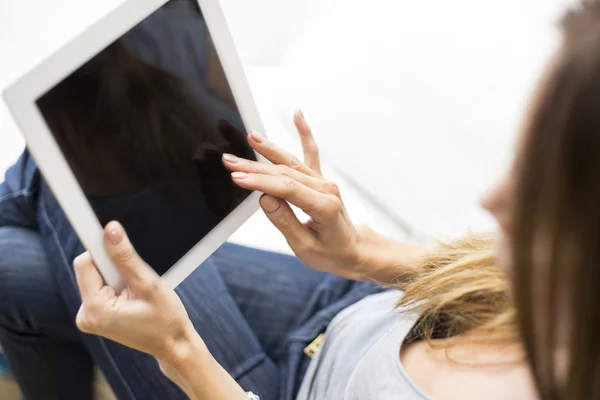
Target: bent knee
[
  {"x": 24, "y": 273},
  {"x": 21, "y": 251}
]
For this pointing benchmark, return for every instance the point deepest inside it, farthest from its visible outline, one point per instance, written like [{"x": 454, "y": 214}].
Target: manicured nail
[
  {"x": 270, "y": 204},
  {"x": 239, "y": 175},
  {"x": 115, "y": 233},
  {"x": 230, "y": 158},
  {"x": 258, "y": 138}
]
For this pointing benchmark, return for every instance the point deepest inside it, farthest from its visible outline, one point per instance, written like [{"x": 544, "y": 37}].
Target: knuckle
[
  {"x": 94, "y": 324},
  {"x": 333, "y": 188},
  {"x": 125, "y": 255},
  {"x": 333, "y": 205},
  {"x": 83, "y": 326},
  {"x": 295, "y": 162},
  {"x": 93, "y": 310},
  {"x": 284, "y": 170},
  {"x": 285, "y": 222},
  {"x": 89, "y": 322},
  {"x": 82, "y": 322},
  {"x": 150, "y": 286},
  {"x": 289, "y": 184}
]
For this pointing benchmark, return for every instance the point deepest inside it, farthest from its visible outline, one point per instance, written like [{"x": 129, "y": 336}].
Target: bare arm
[
  {"x": 385, "y": 261},
  {"x": 199, "y": 375}
]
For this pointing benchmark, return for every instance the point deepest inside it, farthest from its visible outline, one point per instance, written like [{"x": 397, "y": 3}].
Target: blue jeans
[{"x": 255, "y": 310}]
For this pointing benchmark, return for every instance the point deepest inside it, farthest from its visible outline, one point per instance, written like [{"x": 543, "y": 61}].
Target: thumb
[
  {"x": 282, "y": 216},
  {"x": 120, "y": 250}
]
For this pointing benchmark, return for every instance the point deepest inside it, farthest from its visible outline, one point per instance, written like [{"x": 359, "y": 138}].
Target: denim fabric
[
  {"x": 18, "y": 194},
  {"x": 255, "y": 310},
  {"x": 4, "y": 371},
  {"x": 37, "y": 334}
]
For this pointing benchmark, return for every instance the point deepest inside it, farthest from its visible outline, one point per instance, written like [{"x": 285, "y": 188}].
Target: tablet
[{"x": 129, "y": 122}]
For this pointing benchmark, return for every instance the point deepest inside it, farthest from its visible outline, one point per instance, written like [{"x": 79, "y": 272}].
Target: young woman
[
  {"x": 548, "y": 208},
  {"x": 454, "y": 335}
]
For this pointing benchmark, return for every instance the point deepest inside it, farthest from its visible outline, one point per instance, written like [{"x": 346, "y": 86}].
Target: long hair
[
  {"x": 556, "y": 218},
  {"x": 458, "y": 288}
]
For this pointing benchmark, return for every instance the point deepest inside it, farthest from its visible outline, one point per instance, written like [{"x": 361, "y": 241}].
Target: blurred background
[{"x": 414, "y": 104}]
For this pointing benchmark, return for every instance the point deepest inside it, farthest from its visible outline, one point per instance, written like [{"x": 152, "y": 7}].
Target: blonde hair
[{"x": 457, "y": 289}]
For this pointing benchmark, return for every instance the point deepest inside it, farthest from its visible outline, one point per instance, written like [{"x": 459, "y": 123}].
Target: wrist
[
  {"x": 367, "y": 249},
  {"x": 197, "y": 372},
  {"x": 185, "y": 349},
  {"x": 383, "y": 260}
]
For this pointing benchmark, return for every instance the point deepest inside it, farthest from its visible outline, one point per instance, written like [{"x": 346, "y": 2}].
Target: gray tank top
[{"x": 359, "y": 358}]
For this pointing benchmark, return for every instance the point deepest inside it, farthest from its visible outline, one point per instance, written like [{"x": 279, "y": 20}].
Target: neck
[
  {"x": 469, "y": 367},
  {"x": 481, "y": 347}
]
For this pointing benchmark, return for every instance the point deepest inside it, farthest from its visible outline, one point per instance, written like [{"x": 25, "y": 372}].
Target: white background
[{"x": 415, "y": 104}]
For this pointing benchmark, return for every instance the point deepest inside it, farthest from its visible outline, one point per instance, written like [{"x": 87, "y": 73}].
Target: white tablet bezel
[{"x": 21, "y": 99}]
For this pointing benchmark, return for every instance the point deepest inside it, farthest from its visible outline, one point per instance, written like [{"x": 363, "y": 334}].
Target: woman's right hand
[
  {"x": 149, "y": 316},
  {"x": 329, "y": 241}
]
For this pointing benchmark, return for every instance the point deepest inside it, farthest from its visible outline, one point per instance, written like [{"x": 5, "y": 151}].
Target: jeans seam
[
  {"x": 19, "y": 193},
  {"x": 248, "y": 366},
  {"x": 74, "y": 281}
]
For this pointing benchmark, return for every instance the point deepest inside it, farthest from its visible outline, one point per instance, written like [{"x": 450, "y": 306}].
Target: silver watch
[{"x": 252, "y": 396}]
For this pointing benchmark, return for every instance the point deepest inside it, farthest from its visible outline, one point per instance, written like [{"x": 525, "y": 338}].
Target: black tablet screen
[{"x": 144, "y": 124}]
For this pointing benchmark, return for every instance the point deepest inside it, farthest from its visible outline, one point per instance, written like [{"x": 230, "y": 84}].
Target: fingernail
[
  {"x": 230, "y": 158},
  {"x": 239, "y": 175},
  {"x": 258, "y": 138},
  {"x": 270, "y": 204},
  {"x": 301, "y": 114},
  {"x": 114, "y": 233}
]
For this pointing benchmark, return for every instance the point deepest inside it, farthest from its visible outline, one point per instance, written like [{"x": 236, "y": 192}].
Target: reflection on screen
[{"x": 143, "y": 126}]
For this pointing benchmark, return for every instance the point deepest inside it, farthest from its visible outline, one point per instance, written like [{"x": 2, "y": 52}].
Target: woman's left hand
[
  {"x": 147, "y": 316},
  {"x": 329, "y": 241}
]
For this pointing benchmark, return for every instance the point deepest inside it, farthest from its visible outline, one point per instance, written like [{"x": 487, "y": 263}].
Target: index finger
[
  {"x": 277, "y": 155},
  {"x": 319, "y": 206},
  {"x": 88, "y": 277}
]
